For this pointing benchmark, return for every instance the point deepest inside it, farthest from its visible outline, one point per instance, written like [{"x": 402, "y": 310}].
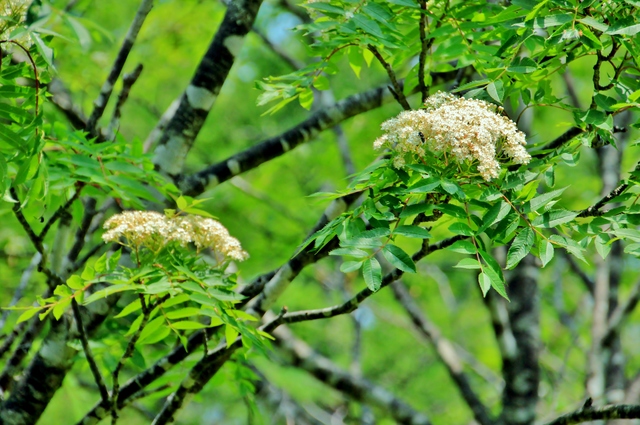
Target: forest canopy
[{"x": 319, "y": 212}]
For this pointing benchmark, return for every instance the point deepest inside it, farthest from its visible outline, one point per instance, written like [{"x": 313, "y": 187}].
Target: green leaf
[
  {"x": 373, "y": 233},
  {"x": 58, "y": 309},
  {"x": 28, "y": 314},
  {"x": 367, "y": 25},
  {"x": 412, "y": 232},
  {"x": 602, "y": 245},
  {"x": 157, "y": 335},
  {"x": 468, "y": 263},
  {"x": 546, "y": 252},
  {"x": 327, "y": 8},
  {"x": 351, "y": 252},
  {"x": 75, "y": 282},
  {"x": 554, "y": 218},
  {"x": 496, "y": 91},
  {"x": 485, "y": 283},
  {"x": 150, "y": 328},
  {"x": 628, "y": 30},
  {"x": 494, "y": 215},
  {"x": 188, "y": 325},
  {"x": 494, "y": 272},
  {"x": 463, "y": 247},
  {"x": 372, "y": 273},
  {"x": 541, "y": 200},
  {"x": 182, "y": 313},
  {"x": 570, "y": 245},
  {"x": 461, "y": 229},
  {"x": 398, "y": 258},
  {"x": 350, "y": 266},
  {"x": 452, "y": 210},
  {"x": 133, "y": 306},
  {"x": 321, "y": 83},
  {"x": 306, "y": 99},
  {"x": 230, "y": 333},
  {"x": 520, "y": 247}
]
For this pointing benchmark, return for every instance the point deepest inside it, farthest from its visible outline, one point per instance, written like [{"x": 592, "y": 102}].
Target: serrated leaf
[
  {"x": 570, "y": 245},
  {"x": 554, "y": 218},
  {"x": 494, "y": 215},
  {"x": 412, "y": 232},
  {"x": 373, "y": 233},
  {"x": 546, "y": 252},
  {"x": 367, "y": 25},
  {"x": 520, "y": 247},
  {"x": 541, "y": 200},
  {"x": 398, "y": 258},
  {"x": 461, "y": 229},
  {"x": 306, "y": 99},
  {"x": 452, "y": 210},
  {"x": 372, "y": 273},
  {"x": 321, "y": 83},
  {"x": 492, "y": 269}
]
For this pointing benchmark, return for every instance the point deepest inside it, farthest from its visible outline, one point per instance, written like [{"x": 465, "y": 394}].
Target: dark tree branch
[
  {"x": 107, "y": 88},
  {"x": 622, "y": 411},
  {"x": 446, "y": 352},
  {"x": 200, "y": 95},
  {"x": 397, "y": 87},
  {"x": 274, "y": 147},
  {"x": 522, "y": 372},
  {"x": 200, "y": 374},
  {"x": 104, "y": 393},
  {"x": 128, "y": 80},
  {"x": 362, "y": 390}
]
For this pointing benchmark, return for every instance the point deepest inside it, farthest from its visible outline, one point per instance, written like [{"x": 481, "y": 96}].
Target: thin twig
[
  {"x": 397, "y": 88},
  {"x": 585, "y": 414},
  {"x": 146, "y": 311},
  {"x": 60, "y": 212},
  {"x": 107, "y": 88},
  {"x": 97, "y": 376},
  {"x": 128, "y": 80}
]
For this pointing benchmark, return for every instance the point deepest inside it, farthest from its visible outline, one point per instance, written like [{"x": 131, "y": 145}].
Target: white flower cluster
[
  {"x": 468, "y": 129},
  {"x": 155, "y": 230},
  {"x": 12, "y": 13}
]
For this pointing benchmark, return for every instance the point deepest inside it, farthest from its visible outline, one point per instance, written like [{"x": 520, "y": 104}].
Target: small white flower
[{"x": 469, "y": 129}]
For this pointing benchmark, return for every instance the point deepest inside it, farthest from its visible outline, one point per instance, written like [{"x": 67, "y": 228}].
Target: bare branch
[
  {"x": 87, "y": 352},
  {"x": 621, "y": 411},
  {"x": 446, "y": 352},
  {"x": 201, "y": 94},
  {"x": 397, "y": 87},
  {"x": 359, "y": 389},
  {"x": 273, "y": 147},
  {"x": 107, "y": 88},
  {"x": 128, "y": 80}
]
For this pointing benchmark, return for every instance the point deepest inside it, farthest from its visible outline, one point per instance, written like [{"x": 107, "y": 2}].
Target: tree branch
[
  {"x": 362, "y": 390},
  {"x": 104, "y": 393},
  {"x": 201, "y": 94},
  {"x": 446, "y": 352},
  {"x": 274, "y": 147},
  {"x": 621, "y": 411},
  {"x": 107, "y": 88}
]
